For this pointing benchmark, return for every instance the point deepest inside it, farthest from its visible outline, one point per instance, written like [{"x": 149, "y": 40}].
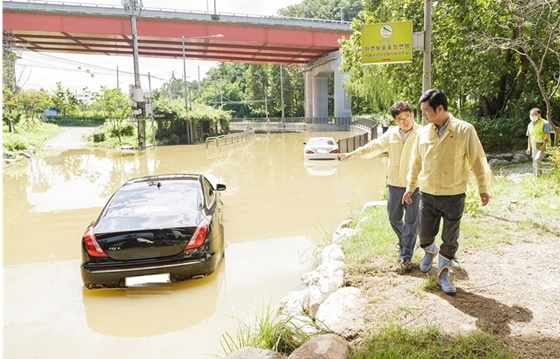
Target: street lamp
[{"x": 185, "y": 62}]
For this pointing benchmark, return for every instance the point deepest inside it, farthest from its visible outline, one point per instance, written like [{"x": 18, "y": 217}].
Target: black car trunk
[
  {"x": 145, "y": 237},
  {"x": 145, "y": 244}
]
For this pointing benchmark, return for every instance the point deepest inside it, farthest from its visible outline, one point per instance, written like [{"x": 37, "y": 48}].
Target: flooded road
[{"x": 277, "y": 208}]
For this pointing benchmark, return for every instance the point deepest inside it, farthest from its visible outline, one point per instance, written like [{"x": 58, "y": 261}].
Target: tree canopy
[{"x": 476, "y": 55}]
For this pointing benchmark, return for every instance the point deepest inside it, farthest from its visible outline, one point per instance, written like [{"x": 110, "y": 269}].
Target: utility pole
[
  {"x": 427, "y": 67},
  {"x": 199, "y": 91},
  {"x": 185, "y": 75},
  {"x": 266, "y": 105},
  {"x": 282, "y": 92},
  {"x": 133, "y": 7}
]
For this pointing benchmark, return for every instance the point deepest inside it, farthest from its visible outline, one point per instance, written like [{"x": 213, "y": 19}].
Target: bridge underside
[
  {"x": 46, "y": 32},
  {"x": 107, "y": 31}
]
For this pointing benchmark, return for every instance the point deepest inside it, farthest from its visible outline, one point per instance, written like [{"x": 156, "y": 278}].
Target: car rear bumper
[
  {"x": 103, "y": 276},
  {"x": 326, "y": 156}
]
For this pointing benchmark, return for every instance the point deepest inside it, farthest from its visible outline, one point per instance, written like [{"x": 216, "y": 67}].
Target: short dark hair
[
  {"x": 398, "y": 107},
  {"x": 435, "y": 97}
]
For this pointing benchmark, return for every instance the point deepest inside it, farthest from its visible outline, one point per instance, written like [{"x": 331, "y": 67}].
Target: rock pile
[{"x": 322, "y": 305}]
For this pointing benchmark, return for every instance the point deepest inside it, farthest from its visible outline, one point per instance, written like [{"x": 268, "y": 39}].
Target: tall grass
[
  {"x": 269, "y": 330},
  {"x": 375, "y": 237},
  {"x": 26, "y": 135},
  {"x": 394, "y": 341}
]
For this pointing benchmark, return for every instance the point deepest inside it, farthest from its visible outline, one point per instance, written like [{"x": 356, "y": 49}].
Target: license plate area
[{"x": 147, "y": 280}]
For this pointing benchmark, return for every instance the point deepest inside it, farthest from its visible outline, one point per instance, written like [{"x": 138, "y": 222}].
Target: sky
[{"x": 42, "y": 70}]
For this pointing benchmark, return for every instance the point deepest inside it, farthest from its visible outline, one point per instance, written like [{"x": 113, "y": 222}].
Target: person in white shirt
[{"x": 385, "y": 123}]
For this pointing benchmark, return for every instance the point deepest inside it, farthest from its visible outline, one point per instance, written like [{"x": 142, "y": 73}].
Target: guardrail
[
  {"x": 366, "y": 124},
  {"x": 166, "y": 12},
  {"x": 340, "y": 121},
  {"x": 224, "y": 140},
  {"x": 351, "y": 143}
]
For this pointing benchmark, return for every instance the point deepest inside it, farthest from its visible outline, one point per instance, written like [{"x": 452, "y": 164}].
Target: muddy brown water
[{"x": 277, "y": 208}]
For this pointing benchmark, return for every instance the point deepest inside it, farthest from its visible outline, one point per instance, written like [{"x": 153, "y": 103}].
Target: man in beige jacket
[
  {"x": 444, "y": 154},
  {"x": 397, "y": 141}
]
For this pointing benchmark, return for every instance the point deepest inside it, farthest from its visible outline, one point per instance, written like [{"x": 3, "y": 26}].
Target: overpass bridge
[{"x": 105, "y": 29}]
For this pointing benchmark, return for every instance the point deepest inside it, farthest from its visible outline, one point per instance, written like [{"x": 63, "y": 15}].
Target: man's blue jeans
[
  {"x": 432, "y": 210},
  {"x": 408, "y": 229}
]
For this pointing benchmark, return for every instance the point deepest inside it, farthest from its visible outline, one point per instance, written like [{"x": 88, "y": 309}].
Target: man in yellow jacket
[
  {"x": 397, "y": 141},
  {"x": 538, "y": 136},
  {"x": 445, "y": 152}
]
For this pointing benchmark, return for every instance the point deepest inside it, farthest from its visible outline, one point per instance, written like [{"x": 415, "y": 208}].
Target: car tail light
[
  {"x": 309, "y": 152},
  {"x": 334, "y": 151},
  {"x": 92, "y": 246},
  {"x": 199, "y": 235}
]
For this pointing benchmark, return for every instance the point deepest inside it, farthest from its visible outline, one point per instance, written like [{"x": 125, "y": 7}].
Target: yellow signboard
[{"x": 387, "y": 43}]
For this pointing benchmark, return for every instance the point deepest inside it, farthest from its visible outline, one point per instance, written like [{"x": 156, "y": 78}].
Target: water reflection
[
  {"x": 153, "y": 310},
  {"x": 320, "y": 168}
]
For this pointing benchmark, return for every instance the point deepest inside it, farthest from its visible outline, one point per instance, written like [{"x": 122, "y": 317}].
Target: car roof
[
  {"x": 155, "y": 196},
  {"x": 166, "y": 177},
  {"x": 320, "y": 139}
]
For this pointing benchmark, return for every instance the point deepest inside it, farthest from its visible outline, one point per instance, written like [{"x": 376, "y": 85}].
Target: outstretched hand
[{"x": 343, "y": 156}]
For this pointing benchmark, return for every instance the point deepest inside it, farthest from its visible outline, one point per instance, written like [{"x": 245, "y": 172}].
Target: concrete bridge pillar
[
  {"x": 317, "y": 94},
  {"x": 320, "y": 95}
]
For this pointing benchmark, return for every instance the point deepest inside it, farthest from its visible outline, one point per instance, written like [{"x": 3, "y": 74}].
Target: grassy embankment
[{"x": 532, "y": 203}]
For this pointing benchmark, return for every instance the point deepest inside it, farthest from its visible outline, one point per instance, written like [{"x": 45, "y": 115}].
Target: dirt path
[
  {"x": 71, "y": 137},
  {"x": 511, "y": 290}
]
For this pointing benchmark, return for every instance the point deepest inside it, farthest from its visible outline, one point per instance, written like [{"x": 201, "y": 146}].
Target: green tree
[
  {"x": 258, "y": 89},
  {"x": 468, "y": 70},
  {"x": 33, "y": 102},
  {"x": 376, "y": 87},
  {"x": 343, "y": 10},
  {"x": 289, "y": 86},
  {"x": 225, "y": 88},
  {"x": 11, "y": 114},
  {"x": 9, "y": 57},
  {"x": 84, "y": 101},
  {"x": 113, "y": 105},
  {"x": 534, "y": 35},
  {"x": 64, "y": 100},
  {"x": 169, "y": 108}
]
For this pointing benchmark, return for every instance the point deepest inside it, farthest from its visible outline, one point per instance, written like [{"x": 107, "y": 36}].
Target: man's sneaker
[{"x": 405, "y": 266}]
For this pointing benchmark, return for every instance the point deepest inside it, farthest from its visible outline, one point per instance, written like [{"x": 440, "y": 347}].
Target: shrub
[
  {"x": 500, "y": 134},
  {"x": 14, "y": 142},
  {"x": 127, "y": 129},
  {"x": 553, "y": 154},
  {"x": 98, "y": 137}
]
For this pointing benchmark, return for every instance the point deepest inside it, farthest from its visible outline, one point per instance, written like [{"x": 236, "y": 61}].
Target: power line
[{"x": 100, "y": 69}]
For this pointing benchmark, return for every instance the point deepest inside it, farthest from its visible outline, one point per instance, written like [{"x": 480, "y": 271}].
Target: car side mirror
[{"x": 220, "y": 187}]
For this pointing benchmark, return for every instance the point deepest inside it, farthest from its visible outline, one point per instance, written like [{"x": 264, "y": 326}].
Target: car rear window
[
  {"x": 318, "y": 141},
  {"x": 154, "y": 198}
]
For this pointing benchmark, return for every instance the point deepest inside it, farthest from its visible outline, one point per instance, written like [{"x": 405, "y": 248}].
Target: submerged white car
[{"x": 320, "y": 148}]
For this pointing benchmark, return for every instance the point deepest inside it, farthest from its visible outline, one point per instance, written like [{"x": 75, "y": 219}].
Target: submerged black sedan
[{"x": 155, "y": 229}]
